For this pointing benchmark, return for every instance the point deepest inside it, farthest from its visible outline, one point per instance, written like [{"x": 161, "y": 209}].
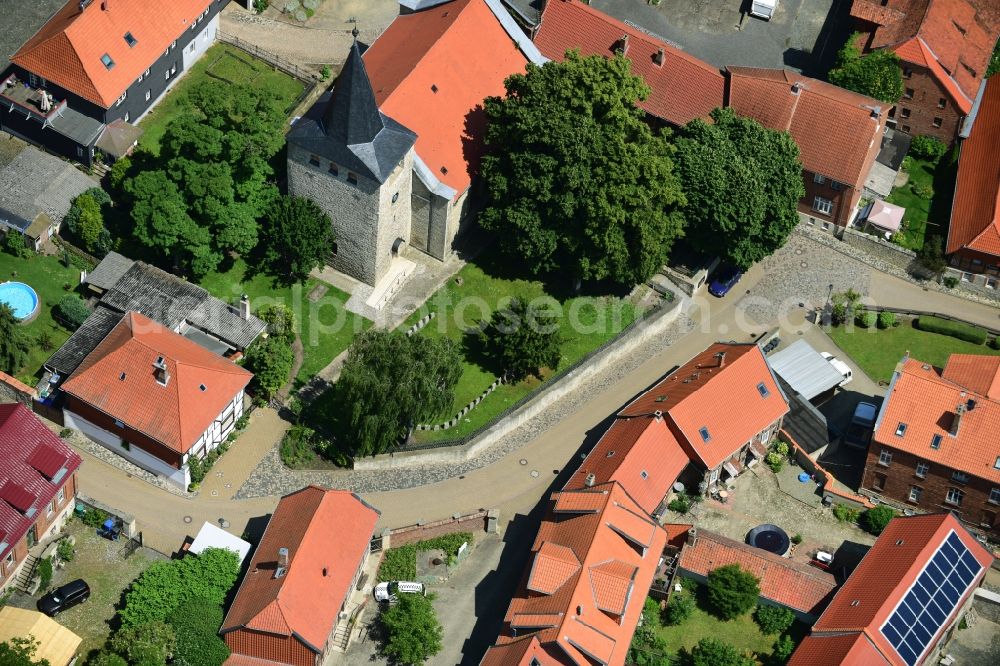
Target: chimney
[
  {"x": 244, "y": 306},
  {"x": 104, "y": 4},
  {"x": 282, "y": 568},
  {"x": 659, "y": 57},
  {"x": 589, "y": 481},
  {"x": 658, "y": 414},
  {"x": 721, "y": 356},
  {"x": 956, "y": 419},
  {"x": 160, "y": 371},
  {"x": 796, "y": 87},
  {"x": 621, "y": 46},
  {"x": 692, "y": 537}
]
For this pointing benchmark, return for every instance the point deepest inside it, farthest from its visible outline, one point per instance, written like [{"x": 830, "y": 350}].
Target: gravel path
[{"x": 272, "y": 478}]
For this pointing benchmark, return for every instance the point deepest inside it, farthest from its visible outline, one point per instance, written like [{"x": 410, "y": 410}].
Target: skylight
[
  {"x": 108, "y": 62},
  {"x": 936, "y": 442},
  {"x": 763, "y": 390},
  {"x": 900, "y": 429},
  {"x": 705, "y": 436},
  {"x": 130, "y": 40}
]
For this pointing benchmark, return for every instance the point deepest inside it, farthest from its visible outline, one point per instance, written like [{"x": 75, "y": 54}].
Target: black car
[{"x": 67, "y": 596}]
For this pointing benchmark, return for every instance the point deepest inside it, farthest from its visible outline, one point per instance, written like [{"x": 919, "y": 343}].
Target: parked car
[
  {"x": 859, "y": 432},
  {"x": 839, "y": 366},
  {"x": 724, "y": 280},
  {"x": 387, "y": 591},
  {"x": 65, "y": 597},
  {"x": 771, "y": 345}
]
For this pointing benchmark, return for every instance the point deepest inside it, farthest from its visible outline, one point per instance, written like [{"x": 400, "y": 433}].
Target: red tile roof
[
  {"x": 34, "y": 465},
  {"x": 975, "y": 213},
  {"x": 917, "y": 52},
  {"x": 852, "y": 649},
  {"x": 117, "y": 378},
  {"x": 797, "y": 586},
  {"x": 67, "y": 50},
  {"x": 837, "y": 134},
  {"x": 871, "y": 594},
  {"x": 327, "y": 534},
  {"x": 431, "y": 71},
  {"x": 958, "y": 36},
  {"x": 641, "y": 454},
  {"x": 682, "y": 87},
  {"x": 525, "y": 651},
  {"x": 594, "y": 610},
  {"x": 925, "y": 399},
  {"x": 723, "y": 399}
]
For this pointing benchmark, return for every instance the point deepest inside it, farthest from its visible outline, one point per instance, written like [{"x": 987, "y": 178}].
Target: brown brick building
[
  {"x": 944, "y": 47},
  {"x": 936, "y": 446},
  {"x": 37, "y": 487}
]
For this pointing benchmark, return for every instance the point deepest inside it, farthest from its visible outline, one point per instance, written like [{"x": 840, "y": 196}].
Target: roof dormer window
[
  {"x": 762, "y": 389},
  {"x": 130, "y": 40},
  {"x": 108, "y": 62},
  {"x": 900, "y": 429},
  {"x": 705, "y": 435}
]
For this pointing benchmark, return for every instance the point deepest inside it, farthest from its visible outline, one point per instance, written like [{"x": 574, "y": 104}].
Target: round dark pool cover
[{"x": 770, "y": 538}]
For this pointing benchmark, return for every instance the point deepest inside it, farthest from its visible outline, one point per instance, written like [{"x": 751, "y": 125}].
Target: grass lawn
[
  {"x": 97, "y": 562},
  {"x": 917, "y": 208},
  {"x": 324, "y": 326},
  {"x": 47, "y": 276},
  {"x": 220, "y": 64},
  {"x": 878, "y": 351},
  {"x": 586, "y": 323}
]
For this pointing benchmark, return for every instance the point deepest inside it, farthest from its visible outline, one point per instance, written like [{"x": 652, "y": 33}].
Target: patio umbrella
[{"x": 886, "y": 216}]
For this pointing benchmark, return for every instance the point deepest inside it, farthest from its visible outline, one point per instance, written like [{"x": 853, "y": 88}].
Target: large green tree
[
  {"x": 877, "y": 74},
  {"x": 577, "y": 182},
  {"x": 732, "y": 591},
  {"x": 713, "y": 652},
  {"x": 391, "y": 382},
  {"x": 196, "y": 624},
  {"x": 413, "y": 633},
  {"x": 270, "y": 360},
  {"x": 20, "y": 651},
  {"x": 297, "y": 237},
  {"x": 14, "y": 344},
  {"x": 522, "y": 338},
  {"x": 742, "y": 182},
  {"x": 149, "y": 644}
]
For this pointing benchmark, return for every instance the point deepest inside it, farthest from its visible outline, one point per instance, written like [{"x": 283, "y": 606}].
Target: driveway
[{"x": 803, "y": 35}]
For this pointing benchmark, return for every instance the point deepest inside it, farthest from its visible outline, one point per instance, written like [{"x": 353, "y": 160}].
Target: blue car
[{"x": 724, "y": 280}]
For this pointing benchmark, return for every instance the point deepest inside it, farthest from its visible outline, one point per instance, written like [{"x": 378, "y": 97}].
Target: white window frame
[
  {"x": 149, "y": 94},
  {"x": 122, "y": 98},
  {"x": 823, "y": 206},
  {"x": 10, "y": 559},
  {"x": 915, "y": 493},
  {"x": 166, "y": 75},
  {"x": 959, "y": 477},
  {"x": 950, "y": 496},
  {"x": 126, "y": 116},
  {"x": 885, "y": 457},
  {"x": 922, "y": 469},
  {"x": 819, "y": 179},
  {"x": 62, "y": 495},
  {"x": 50, "y": 508},
  {"x": 994, "y": 497}
]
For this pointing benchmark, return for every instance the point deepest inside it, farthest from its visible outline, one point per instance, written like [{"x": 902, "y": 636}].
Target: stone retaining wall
[
  {"x": 465, "y": 410},
  {"x": 654, "y": 325},
  {"x": 473, "y": 522}
]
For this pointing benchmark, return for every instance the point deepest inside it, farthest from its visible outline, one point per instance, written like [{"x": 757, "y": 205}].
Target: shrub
[
  {"x": 65, "y": 432},
  {"x": 679, "y": 608},
  {"x": 783, "y": 649},
  {"x": 271, "y": 362},
  {"x": 94, "y": 517},
  {"x": 775, "y": 461},
  {"x": 886, "y": 319},
  {"x": 45, "y": 573},
  {"x": 927, "y": 148},
  {"x": 260, "y": 5},
  {"x": 14, "y": 244},
  {"x": 280, "y": 320},
  {"x": 107, "y": 658},
  {"x": 844, "y": 513},
  {"x": 866, "y": 319},
  {"x": 72, "y": 311},
  {"x": 413, "y": 632},
  {"x": 875, "y": 520},
  {"x": 196, "y": 467},
  {"x": 931, "y": 255},
  {"x": 399, "y": 563},
  {"x": 772, "y": 619},
  {"x": 296, "y": 446},
  {"x": 797, "y": 539},
  {"x": 681, "y": 504},
  {"x": 955, "y": 329},
  {"x": 780, "y": 447},
  {"x": 713, "y": 652},
  {"x": 994, "y": 343},
  {"x": 65, "y": 551},
  {"x": 732, "y": 591},
  {"x": 646, "y": 642},
  {"x": 324, "y": 73},
  {"x": 196, "y": 624},
  {"x": 951, "y": 281},
  {"x": 923, "y": 190},
  {"x": 148, "y": 644}
]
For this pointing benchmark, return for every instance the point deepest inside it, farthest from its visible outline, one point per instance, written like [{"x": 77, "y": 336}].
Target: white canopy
[
  {"x": 886, "y": 216},
  {"x": 210, "y": 536},
  {"x": 805, "y": 370}
]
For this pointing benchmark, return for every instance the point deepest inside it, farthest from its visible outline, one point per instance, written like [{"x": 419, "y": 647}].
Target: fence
[
  {"x": 826, "y": 479},
  {"x": 272, "y": 59},
  {"x": 922, "y": 313}
]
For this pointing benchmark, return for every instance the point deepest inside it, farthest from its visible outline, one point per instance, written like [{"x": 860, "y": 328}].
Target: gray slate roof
[
  {"x": 35, "y": 182},
  {"x": 83, "y": 341},
  {"x": 346, "y": 126},
  {"x": 109, "y": 271}
]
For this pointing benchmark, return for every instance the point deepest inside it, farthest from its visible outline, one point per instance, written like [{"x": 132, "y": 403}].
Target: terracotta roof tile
[
  {"x": 16, "y": 384},
  {"x": 850, "y": 649},
  {"x": 612, "y": 582},
  {"x": 586, "y": 501},
  {"x": 922, "y": 397},
  {"x": 120, "y": 368},
  {"x": 525, "y": 651},
  {"x": 917, "y": 52},
  {"x": 837, "y": 135},
  {"x": 34, "y": 465},
  {"x": 976, "y": 373},
  {"x": 682, "y": 88},
  {"x": 431, "y": 71},
  {"x": 783, "y": 581},
  {"x": 975, "y": 213},
  {"x": 327, "y": 534},
  {"x": 875, "y": 13},
  {"x": 553, "y": 565},
  {"x": 67, "y": 50}
]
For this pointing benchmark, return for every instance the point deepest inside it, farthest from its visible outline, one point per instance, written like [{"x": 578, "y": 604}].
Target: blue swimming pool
[{"x": 21, "y": 298}]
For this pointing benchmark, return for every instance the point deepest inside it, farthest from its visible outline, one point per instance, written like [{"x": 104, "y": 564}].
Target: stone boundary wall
[
  {"x": 465, "y": 410},
  {"x": 12, "y": 390},
  {"x": 473, "y": 522},
  {"x": 655, "y": 325},
  {"x": 828, "y": 480},
  {"x": 128, "y": 520},
  {"x": 894, "y": 260}
]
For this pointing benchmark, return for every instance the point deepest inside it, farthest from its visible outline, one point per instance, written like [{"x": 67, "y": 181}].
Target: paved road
[{"x": 888, "y": 290}]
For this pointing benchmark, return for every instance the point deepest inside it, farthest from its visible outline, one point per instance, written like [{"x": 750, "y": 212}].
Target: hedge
[{"x": 955, "y": 329}]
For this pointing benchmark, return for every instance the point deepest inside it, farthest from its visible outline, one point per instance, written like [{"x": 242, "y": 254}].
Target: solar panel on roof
[{"x": 931, "y": 599}]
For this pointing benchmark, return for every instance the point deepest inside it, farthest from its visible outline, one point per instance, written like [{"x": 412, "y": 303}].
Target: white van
[
  {"x": 387, "y": 591},
  {"x": 763, "y": 8},
  {"x": 839, "y": 366}
]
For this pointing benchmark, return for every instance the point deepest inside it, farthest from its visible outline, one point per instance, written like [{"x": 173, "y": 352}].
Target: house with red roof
[
  {"x": 803, "y": 589},
  {"x": 902, "y": 602},
  {"x": 681, "y": 87},
  {"x": 37, "y": 487},
  {"x": 96, "y": 67},
  {"x": 937, "y": 441},
  {"x": 592, "y": 562},
  {"x": 300, "y": 579},
  {"x": 391, "y": 151},
  {"x": 154, "y": 397},
  {"x": 944, "y": 47},
  {"x": 973, "y": 246},
  {"x": 839, "y": 134}
]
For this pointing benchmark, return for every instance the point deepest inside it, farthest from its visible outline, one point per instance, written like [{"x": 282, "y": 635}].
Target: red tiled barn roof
[
  {"x": 431, "y": 71},
  {"x": 852, "y": 649},
  {"x": 682, "y": 87},
  {"x": 117, "y": 378},
  {"x": 67, "y": 50},
  {"x": 837, "y": 135},
  {"x": 327, "y": 534},
  {"x": 975, "y": 213},
  {"x": 797, "y": 586},
  {"x": 925, "y": 399},
  {"x": 34, "y": 465}
]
